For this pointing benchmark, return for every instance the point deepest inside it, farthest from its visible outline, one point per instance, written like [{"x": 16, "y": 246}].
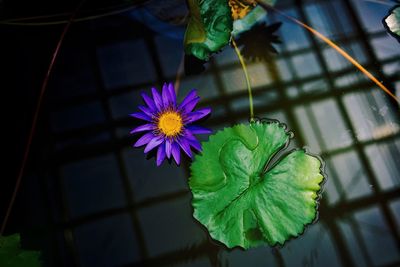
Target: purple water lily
[{"x": 169, "y": 125}]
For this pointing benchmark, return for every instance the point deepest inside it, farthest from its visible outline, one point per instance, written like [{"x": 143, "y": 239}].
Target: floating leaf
[
  {"x": 242, "y": 199},
  {"x": 11, "y": 254},
  {"x": 209, "y": 28},
  {"x": 392, "y": 22}
]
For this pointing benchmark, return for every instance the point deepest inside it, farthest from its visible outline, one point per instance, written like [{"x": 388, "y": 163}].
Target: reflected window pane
[
  {"x": 385, "y": 162},
  {"x": 170, "y": 226},
  {"x": 147, "y": 180},
  {"x": 118, "y": 63},
  {"x": 93, "y": 185},
  {"x": 77, "y": 117},
  {"x": 320, "y": 249},
  {"x": 333, "y": 131},
  {"x": 107, "y": 242},
  {"x": 377, "y": 237},
  {"x": 306, "y": 65},
  {"x": 352, "y": 176}
]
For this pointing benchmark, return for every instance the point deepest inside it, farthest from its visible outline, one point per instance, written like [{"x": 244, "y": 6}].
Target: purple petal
[
  {"x": 160, "y": 155},
  {"x": 184, "y": 144},
  {"x": 153, "y": 143},
  {"x": 165, "y": 96},
  {"x": 144, "y": 127},
  {"x": 192, "y": 95},
  {"x": 168, "y": 147},
  {"x": 157, "y": 99},
  {"x": 190, "y": 105},
  {"x": 189, "y": 135},
  {"x": 149, "y": 102},
  {"x": 176, "y": 153},
  {"x": 144, "y": 139},
  {"x": 147, "y": 111},
  {"x": 198, "y": 129},
  {"x": 172, "y": 93},
  {"x": 141, "y": 116},
  {"x": 197, "y": 115},
  {"x": 195, "y": 144}
]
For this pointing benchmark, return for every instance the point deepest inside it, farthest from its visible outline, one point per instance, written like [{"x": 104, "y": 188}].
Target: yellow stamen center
[{"x": 170, "y": 123}]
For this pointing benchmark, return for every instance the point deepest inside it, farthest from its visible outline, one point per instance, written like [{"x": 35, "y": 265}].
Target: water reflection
[{"x": 116, "y": 209}]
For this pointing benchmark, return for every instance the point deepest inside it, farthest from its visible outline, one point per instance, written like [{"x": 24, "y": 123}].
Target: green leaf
[
  {"x": 11, "y": 255},
  {"x": 209, "y": 28},
  {"x": 392, "y": 22},
  {"x": 244, "y": 201}
]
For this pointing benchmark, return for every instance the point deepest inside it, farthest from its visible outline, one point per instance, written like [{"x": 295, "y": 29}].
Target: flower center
[{"x": 170, "y": 123}]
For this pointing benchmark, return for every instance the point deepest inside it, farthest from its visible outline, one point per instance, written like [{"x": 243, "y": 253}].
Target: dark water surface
[{"x": 89, "y": 199}]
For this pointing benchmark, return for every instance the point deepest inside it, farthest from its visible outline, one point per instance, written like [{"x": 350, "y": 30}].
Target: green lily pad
[
  {"x": 11, "y": 254},
  {"x": 392, "y": 22},
  {"x": 209, "y": 28},
  {"x": 244, "y": 200}
]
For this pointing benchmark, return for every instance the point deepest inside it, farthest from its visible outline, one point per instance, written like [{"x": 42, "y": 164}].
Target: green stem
[{"x": 246, "y": 75}]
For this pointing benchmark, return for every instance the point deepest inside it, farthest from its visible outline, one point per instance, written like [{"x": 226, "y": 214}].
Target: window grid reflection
[{"x": 307, "y": 85}]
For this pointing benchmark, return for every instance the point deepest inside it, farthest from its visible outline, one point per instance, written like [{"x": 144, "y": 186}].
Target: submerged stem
[
  {"x": 179, "y": 74},
  {"x": 247, "y": 78},
  {"x": 36, "y": 117}
]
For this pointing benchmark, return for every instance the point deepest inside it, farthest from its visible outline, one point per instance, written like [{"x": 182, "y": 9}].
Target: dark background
[{"x": 89, "y": 199}]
